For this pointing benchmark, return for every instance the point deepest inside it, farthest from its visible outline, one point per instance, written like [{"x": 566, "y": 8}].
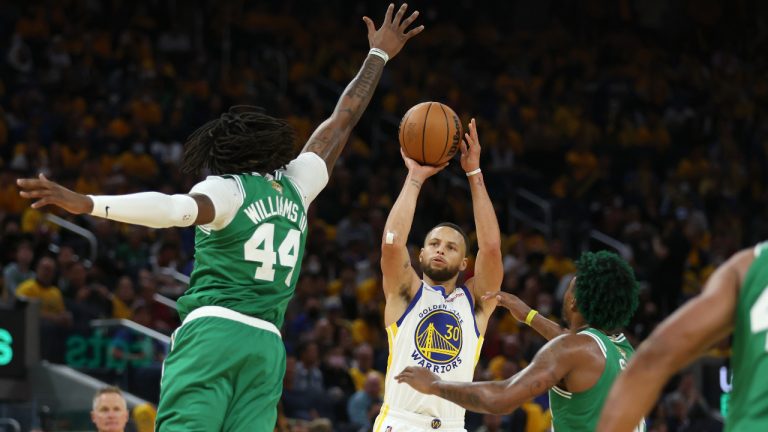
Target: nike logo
[{"x": 106, "y": 210}]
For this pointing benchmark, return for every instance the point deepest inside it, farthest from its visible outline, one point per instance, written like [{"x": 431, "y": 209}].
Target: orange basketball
[{"x": 430, "y": 133}]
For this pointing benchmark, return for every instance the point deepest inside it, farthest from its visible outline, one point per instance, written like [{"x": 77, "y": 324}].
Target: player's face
[
  {"x": 443, "y": 254},
  {"x": 110, "y": 414}
]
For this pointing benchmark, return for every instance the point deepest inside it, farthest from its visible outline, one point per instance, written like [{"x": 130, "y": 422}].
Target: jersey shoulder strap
[{"x": 760, "y": 248}]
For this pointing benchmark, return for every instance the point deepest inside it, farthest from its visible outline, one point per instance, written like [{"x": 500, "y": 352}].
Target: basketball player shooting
[
  {"x": 577, "y": 366},
  {"x": 735, "y": 299},
  {"x": 227, "y": 360},
  {"x": 433, "y": 322}
]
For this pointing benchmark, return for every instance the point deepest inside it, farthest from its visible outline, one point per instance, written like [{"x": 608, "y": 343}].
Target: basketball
[{"x": 430, "y": 133}]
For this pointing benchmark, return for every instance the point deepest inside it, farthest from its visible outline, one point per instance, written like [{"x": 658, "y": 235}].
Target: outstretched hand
[
  {"x": 392, "y": 35},
  {"x": 470, "y": 149},
  {"x": 511, "y": 302},
  {"x": 421, "y": 379},
  {"x": 52, "y": 193},
  {"x": 419, "y": 171}
]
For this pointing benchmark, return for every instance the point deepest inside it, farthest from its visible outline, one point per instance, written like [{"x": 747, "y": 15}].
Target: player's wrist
[
  {"x": 530, "y": 316},
  {"x": 434, "y": 387},
  {"x": 473, "y": 172},
  {"x": 380, "y": 53}
]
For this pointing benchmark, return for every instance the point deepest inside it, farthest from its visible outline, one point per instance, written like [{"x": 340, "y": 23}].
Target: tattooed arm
[
  {"x": 329, "y": 138},
  {"x": 551, "y": 365}
]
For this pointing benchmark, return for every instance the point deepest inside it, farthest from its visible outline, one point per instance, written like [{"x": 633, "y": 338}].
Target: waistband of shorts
[
  {"x": 222, "y": 312},
  {"x": 425, "y": 421}
]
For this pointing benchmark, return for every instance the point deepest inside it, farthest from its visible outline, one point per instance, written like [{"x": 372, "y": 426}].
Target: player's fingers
[
  {"x": 36, "y": 193},
  {"x": 414, "y": 32},
  {"x": 30, "y": 183},
  {"x": 400, "y": 13},
  {"x": 473, "y": 130},
  {"x": 463, "y": 147},
  {"x": 41, "y": 203},
  {"x": 408, "y": 21},
  {"x": 405, "y": 156},
  {"x": 369, "y": 24},
  {"x": 388, "y": 15}
]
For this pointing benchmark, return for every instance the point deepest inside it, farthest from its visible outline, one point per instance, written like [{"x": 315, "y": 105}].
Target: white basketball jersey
[{"x": 438, "y": 332}]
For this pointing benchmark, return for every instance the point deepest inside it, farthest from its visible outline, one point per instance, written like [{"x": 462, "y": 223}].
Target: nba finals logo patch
[
  {"x": 276, "y": 186},
  {"x": 438, "y": 341}
]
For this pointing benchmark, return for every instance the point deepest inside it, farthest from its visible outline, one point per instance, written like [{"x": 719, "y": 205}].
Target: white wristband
[
  {"x": 473, "y": 172},
  {"x": 379, "y": 53}
]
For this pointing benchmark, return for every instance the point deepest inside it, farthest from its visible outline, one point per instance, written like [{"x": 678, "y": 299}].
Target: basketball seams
[
  {"x": 424, "y": 134},
  {"x": 447, "y": 134},
  {"x": 403, "y": 125}
]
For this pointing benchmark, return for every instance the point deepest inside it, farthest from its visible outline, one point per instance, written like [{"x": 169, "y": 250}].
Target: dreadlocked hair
[
  {"x": 606, "y": 290},
  {"x": 243, "y": 139}
]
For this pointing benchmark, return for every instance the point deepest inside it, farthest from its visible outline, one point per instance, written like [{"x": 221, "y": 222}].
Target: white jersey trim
[
  {"x": 598, "y": 340},
  {"x": 222, "y": 312}
]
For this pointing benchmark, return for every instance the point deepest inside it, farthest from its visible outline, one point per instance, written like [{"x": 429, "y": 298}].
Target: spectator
[
  {"x": 363, "y": 366},
  {"x": 360, "y": 403},
  {"x": 308, "y": 375},
  {"x": 20, "y": 270},
  {"x": 123, "y": 298},
  {"x": 42, "y": 288},
  {"x": 110, "y": 410}
]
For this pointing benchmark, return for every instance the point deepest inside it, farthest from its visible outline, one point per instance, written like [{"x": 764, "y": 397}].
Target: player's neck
[
  {"x": 448, "y": 286},
  {"x": 578, "y": 323}
]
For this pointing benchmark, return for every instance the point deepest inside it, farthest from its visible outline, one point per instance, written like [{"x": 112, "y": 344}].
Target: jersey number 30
[
  {"x": 758, "y": 315},
  {"x": 260, "y": 249}
]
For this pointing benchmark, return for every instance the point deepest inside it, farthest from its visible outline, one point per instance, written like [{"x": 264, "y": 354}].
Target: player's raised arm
[
  {"x": 398, "y": 275},
  {"x": 550, "y": 365},
  {"x": 489, "y": 270},
  {"x": 677, "y": 341},
  {"x": 329, "y": 138},
  {"x": 524, "y": 313},
  {"x": 151, "y": 209}
]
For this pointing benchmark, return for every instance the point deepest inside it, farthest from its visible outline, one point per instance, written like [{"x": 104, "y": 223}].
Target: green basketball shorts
[{"x": 224, "y": 373}]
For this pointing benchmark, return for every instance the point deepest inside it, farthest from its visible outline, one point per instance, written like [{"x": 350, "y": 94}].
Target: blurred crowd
[{"x": 643, "y": 121}]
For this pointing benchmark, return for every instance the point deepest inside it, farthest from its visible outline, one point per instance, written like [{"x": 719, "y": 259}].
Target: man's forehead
[
  {"x": 447, "y": 234},
  {"x": 110, "y": 399}
]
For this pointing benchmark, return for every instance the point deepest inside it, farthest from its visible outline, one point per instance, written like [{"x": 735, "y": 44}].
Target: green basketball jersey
[
  {"x": 581, "y": 411},
  {"x": 251, "y": 265},
  {"x": 748, "y": 406}
]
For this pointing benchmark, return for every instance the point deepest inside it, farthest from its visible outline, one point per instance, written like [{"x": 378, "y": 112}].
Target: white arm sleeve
[
  {"x": 225, "y": 194},
  {"x": 151, "y": 209},
  {"x": 309, "y": 174}
]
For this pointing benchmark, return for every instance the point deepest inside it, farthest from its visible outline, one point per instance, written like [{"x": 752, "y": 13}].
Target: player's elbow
[
  {"x": 341, "y": 121},
  {"x": 390, "y": 253},
  {"x": 491, "y": 250}
]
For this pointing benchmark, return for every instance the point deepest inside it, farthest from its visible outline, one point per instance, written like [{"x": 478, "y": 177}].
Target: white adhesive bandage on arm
[
  {"x": 389, "y": 238},
  {"x": 151, "y": 209}
]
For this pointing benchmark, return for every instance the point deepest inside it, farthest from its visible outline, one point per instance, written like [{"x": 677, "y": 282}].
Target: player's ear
[
  {"x": 572, "y": 305},
  {"x": 463, "y": 265},
  {"x": 421, "y": 253}
]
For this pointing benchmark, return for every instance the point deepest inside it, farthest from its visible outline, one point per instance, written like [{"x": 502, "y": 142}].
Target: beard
[{"x": 440, "y": 275}]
